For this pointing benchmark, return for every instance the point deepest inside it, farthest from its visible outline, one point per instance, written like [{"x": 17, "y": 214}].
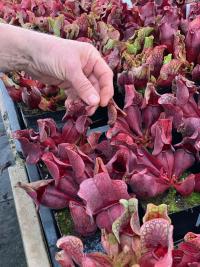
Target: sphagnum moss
[
  {"x": 174, "y": 201},
  {"x": 65, "y": 222}
]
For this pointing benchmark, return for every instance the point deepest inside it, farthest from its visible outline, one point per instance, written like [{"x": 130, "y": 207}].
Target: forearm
[
  {"x": 19, "y": 48},
  {"x": 14, "y": 54}
]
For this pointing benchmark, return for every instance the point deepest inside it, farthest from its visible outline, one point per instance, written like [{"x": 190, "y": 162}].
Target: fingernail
[{"x": 93, "y": 100}]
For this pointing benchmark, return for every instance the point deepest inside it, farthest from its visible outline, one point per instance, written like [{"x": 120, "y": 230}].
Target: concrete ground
[{"x": 11, "y": 248}]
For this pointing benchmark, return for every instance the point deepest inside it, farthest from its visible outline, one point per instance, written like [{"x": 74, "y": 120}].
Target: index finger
[{"x": 104, "y": 75}]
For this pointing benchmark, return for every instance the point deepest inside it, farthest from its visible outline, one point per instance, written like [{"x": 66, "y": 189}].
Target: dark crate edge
[
  {"x": 10, "y": 113},
  {"x": 47, "y": 219}
]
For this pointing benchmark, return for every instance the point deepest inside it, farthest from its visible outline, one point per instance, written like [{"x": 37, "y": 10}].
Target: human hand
[{"x": 75, "y": 66}]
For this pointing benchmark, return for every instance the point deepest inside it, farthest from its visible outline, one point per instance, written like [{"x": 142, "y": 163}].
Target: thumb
[{"x": 85, "y": 89}]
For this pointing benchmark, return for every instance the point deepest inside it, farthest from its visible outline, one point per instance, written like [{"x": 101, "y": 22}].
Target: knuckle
[
  {"x": 89, "y": 46},
  {"x": 84, "y": 87},
  {"x": 107, "y": 73}
]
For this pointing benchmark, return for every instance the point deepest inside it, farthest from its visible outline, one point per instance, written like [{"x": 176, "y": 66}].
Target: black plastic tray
[
  {"x": 29, "y": 120},
  {"x": 46, "y": 217},
  {"x": 99, "y": 119},
  {"x": 20, "y": 120},
  {"x": 183, "y": 221}
]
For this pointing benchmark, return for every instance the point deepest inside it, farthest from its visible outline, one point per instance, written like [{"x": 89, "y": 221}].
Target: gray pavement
[{"x": 11, "y": 248}]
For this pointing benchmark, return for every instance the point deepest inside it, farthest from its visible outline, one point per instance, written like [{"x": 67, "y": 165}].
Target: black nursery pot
[
  {"x": 183, "y": 221},
  {"x": 187, "y": 220},
  {"x": 29, "y": 117},
  {"x": 185, "y": 217}
]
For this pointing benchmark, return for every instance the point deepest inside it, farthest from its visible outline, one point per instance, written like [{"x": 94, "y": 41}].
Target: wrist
[{"x": 14, "y": 54}]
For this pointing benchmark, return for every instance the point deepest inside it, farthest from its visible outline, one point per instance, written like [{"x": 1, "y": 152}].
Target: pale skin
[{"x": 75, "y": 66}]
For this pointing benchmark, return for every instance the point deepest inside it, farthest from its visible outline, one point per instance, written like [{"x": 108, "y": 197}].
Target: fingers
[
  {"x": 71, "y": 97},
  {"x": 84, "y": 89},
  {"x": 95, "y": 84},
  {"x": 91, "y": 110},
  {"x": 105, "y": 77},
  {"x": 107, "y": 90}
]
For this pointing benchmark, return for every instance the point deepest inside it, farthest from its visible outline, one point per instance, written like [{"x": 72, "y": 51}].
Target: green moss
[
  {"x": 193, "y": 199},
  {"x": 174, "y": 201},
  {"x": 170, "y": 200},
  {"x": 64, "y": 222},
  {"x": 141, "y": 90},
  {"x": 184, "y": 175}
]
